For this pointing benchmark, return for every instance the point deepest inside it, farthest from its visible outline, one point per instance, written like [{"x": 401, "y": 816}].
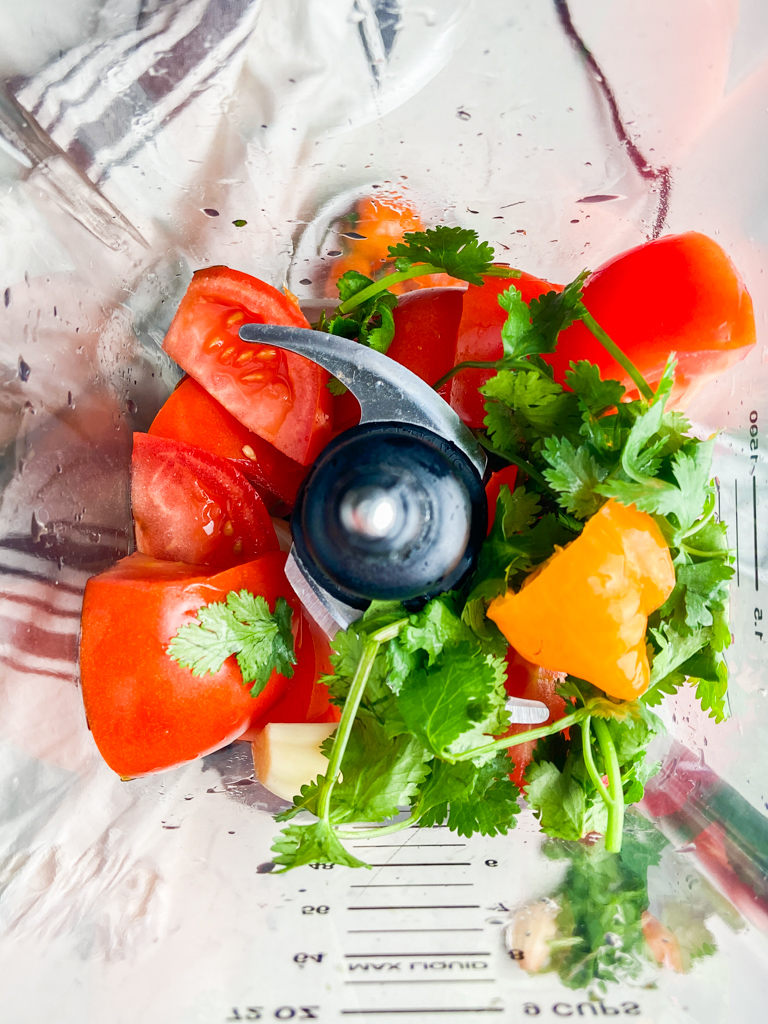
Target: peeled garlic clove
[
  {"x": 286, "y": 755},
  {"x": 529, "y": 932}
]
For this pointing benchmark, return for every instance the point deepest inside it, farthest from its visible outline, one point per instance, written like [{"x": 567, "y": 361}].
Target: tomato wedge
[
  {"x": 191, "y": 506},
  {"x": 426, "y": 329},
  {"x": 146, "y": 712},
  {"x": 280, "y": 396},
  {"x": 679, "y": 293},
  {"x": 191, "y": 415},
  {"x": 479, "y": 338}
]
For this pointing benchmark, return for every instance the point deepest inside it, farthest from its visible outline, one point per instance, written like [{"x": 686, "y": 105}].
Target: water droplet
[
  {"x": 334, "y": 252},
  {"x": 131, "y": 406},
  {"x": 305, "y": 280},
  {"x": 264, "y": 869},
  {"x": 24, "y": 370},
  {"x": 70, "y": 400},
  {"x": 210, "y": 212},
  {"x": 7, "y": 297}
]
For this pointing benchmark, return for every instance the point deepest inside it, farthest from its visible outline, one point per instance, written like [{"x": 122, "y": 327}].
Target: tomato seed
[
  {"x": 267, "y": 354},
  {"x": 228, "y": 529},
  {"x": 244, "y": 358},
  {"x": 235, "y": 318},
  {"x": 253, "y": 378},
  {"x": 237, "y": 547},
  {"x": 249, "y": 453},
  {"x": 226, "y": 355},
  {"x": 213, "y": 342}
]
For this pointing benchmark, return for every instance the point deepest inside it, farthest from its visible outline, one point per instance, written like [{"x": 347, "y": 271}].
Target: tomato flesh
[
  {"x": 426, "y": 329},
  {"x": 191, "y": 415},
  {"x": 479, "y": 338},
  {"x": 146, "y": 712},
  {"x": 505, "y": 477},
  {"x": 280, "y": 396},
  {"x": 191, "y": 506},
  {"x": 678, "y": 294}
]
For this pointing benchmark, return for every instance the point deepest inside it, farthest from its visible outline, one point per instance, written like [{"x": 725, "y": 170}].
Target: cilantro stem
[
  {"x": 615, "y": 828},
  {"x": 613, "y": 349},
  {"x": 384, "y": 283},
  {"x": 417, "y": 270},
  {"x": 524, "y": 737},
  {"x": 589, "y": 761},
  {"x": 383, "y": 830},
  {"x": 348, "y": 715},
  {"x": 488, "y": 364}
]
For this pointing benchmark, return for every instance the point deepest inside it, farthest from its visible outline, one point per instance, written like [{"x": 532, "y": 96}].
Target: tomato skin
[
  {"x": 191, "y": 415},
  {"x": 146, "y": 712},
  {"x": 426, "y": 330},
  {"x": 479, "y": 337},
  {"x": 505, "y": 477},
  {"x": 679, "y": 293},
  {"x": 191, "y": 506},
  {"x": 531, "y": 683},
  {"x": 280, "y": 396},
  {"x": 426, "y": 326}
]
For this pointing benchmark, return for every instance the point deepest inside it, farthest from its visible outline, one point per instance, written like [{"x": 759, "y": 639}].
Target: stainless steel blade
[
  {"x": 526, "y": 712},
  {"x": 330, "y": 615},
  {"x": 385, "y": 390}
]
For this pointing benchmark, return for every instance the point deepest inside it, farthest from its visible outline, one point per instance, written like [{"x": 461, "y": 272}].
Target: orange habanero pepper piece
[{"x": 585, "y": 611}]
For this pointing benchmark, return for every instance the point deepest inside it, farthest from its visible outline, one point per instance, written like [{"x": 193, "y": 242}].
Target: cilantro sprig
[
  {"x": 242, "y": 625},
  {"x": 423, "y": 736}
]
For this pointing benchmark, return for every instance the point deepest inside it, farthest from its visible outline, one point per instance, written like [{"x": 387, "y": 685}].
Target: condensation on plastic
[{"x": 142, "y": 901}]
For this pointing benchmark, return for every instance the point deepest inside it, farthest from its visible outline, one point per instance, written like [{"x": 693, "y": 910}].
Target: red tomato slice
[
  {"x": 426, "y": 326},
  {"x": 192, "y": 416},
  {"x": 280, "y": 396},
  {"x": 502, "y": 477},
  {"x": 680, "y": 294},
  {"x": 479, "y": 337},
  {"x": 191, "y": 506},
  {"x": 531, "y": 683},
  {"x": 145, "y": 711},
  {"x": 426, "y": 329}
]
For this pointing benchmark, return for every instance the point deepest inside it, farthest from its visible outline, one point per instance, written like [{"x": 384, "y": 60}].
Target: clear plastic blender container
[{"x": 143, "y": 140}]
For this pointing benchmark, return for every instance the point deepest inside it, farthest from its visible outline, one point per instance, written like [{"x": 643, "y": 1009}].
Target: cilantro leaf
[
  {"x": 451, "y": 706},
  {"x": 311, "y": 844},
  {"x": 598, "y": 395},
  {"x": 554, "y": 311},
  {"x": 574, "y": 474},
  {"x": 471, "y": 799},
  {"x": 241, "y": 625},
  {"x": 456, "y": 251},
  {"x": 379, "y": 774},
  {"x": 556, "y": 798},
  {"x": 525, "y": 406}
]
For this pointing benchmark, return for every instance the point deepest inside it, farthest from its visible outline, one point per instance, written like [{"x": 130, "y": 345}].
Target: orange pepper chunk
[{"x": 585, "y": 611}]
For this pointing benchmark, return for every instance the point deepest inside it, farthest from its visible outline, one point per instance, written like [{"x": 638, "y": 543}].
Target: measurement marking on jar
[
  {"x": 427, "y": 1009},
  {"x": 427, "y": 864},
  {"x": 754, "y": 524},
  {"x": 414, "y": 885},
  {"x": 736, "y": 517},
  {"x": 405, "y": 956},
  {"x": 399, "y": 931},
  {"x": 424, "y": 981},
  {"x": 421, "y": 906},
  {"x": 400, "y": 846}
]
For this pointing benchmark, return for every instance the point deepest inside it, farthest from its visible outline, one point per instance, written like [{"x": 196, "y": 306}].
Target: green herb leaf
[
  {"x": 241, "y": 625},
  {"x": 311, "y": 844},
  {"x": 457, "y": 251}
]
